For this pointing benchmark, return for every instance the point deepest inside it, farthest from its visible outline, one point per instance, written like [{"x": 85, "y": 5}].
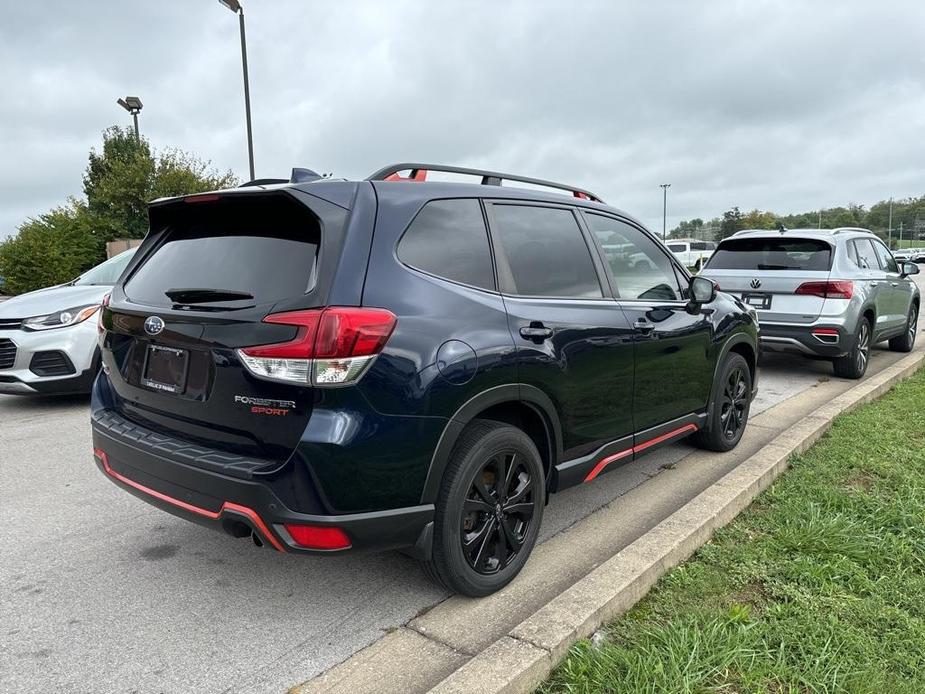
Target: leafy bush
[{"x": 50, "y": 249}]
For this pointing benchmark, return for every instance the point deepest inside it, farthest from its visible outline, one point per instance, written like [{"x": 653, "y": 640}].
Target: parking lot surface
[{"x": 100, "y": 592}]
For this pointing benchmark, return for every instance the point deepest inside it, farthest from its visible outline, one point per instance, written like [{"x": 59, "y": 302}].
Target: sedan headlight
[{"x": 60, "y": 319}]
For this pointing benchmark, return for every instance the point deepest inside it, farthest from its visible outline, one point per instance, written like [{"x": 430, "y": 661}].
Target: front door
[{"x": 673, "y": 372}]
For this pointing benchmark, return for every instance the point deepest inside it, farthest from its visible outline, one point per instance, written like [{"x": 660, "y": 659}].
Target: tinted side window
[
  {"x": 447, "y": 238},
  {"x": 887, "y": 261},
  {"x": 545, "y": 251},
  {"x": 641, "y": 269},
  {"x": 867, "y": 258}
]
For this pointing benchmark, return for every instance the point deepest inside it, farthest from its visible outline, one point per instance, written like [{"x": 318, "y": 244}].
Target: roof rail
[
  {"x": 845, "y": 230},
  {"x": 489, "y": 178}
]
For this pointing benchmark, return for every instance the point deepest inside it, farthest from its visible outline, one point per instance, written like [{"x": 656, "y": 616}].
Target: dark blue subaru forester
[{"x": 399, "y": 363}]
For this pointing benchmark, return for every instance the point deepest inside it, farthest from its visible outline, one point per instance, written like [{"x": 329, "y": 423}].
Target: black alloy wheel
[
  {"x": 732, "y": 398},
  {"x": 734, "y": 402},
  {"x": 498, "y": 511},
  {"x": 488, "y": 510}
]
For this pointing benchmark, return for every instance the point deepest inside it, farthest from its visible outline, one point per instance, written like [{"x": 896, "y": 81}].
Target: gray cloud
[{"x": 780, "y": 105}]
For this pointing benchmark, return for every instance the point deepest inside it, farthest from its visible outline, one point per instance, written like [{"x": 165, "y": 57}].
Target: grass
[{"x": 818, "y": 587}]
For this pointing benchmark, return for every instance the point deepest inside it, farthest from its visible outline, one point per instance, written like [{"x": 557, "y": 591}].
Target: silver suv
[{"x": 828, "y": 293}]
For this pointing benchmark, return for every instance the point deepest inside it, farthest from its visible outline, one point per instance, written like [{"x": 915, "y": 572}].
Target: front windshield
[{"x": 106, "y": 272}]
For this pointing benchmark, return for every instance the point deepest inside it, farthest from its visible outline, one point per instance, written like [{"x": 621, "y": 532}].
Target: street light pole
[
  {"x": 133, "y": 105},
  {"x": 236, "y": 7},
  {"x": 664, "y": 187},
  {"x": 890, "y": 243}
]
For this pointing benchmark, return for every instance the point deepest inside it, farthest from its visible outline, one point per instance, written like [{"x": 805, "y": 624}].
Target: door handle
[
  {"x": 643, "y": 326},
  {"x": 894, "y": 284},
  {"x": 536, "y": 331}
]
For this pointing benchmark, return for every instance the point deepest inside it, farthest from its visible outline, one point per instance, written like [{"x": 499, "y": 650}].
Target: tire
[
  {"x": 906, "y": 341},
  {"x": 732, "y": 399},
  {"x": 854, "y": 364},
  {"x": 473, "y": 553}
]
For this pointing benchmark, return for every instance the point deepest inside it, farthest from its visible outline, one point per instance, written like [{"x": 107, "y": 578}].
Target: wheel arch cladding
[{"x": 520, "y": 405}]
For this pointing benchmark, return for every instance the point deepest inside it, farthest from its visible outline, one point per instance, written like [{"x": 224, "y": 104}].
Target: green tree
[
  {"x": 119, "y": 181},
  {"x": 732, "y": 222}
]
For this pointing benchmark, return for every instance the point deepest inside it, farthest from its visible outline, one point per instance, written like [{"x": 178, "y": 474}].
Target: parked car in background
[
  {"x": 902, "y": 255},
  {"x": 917, "y": 255},
  {"x": 48, "y": 340},
  {"x": 828, "y": 293},
  {"x": 330, "y": 365},
  {"x": 690, "y": 252}
]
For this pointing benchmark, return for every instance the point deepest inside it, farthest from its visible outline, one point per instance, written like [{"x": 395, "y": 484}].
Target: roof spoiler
[{"x": 298, "y": 175}]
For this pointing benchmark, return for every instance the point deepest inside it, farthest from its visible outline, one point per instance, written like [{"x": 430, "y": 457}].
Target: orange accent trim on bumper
[
  {"x": 198, "y": 510},
  {"x": 604, "y": 462}
]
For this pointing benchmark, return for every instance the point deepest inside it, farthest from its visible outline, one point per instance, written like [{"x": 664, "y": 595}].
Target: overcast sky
[{"x": 776, "y": 105}]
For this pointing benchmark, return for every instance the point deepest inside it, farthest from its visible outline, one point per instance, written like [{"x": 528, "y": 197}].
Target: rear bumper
[
  {"x": 829, "y": 340},
  {"x": 243, "y": 506}
]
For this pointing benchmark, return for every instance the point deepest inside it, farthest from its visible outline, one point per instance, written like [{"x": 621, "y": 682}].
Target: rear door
[
  {"x": 766, "y": 272},
  {"x": 673, "y": 371},
  {"x": 206, "y": 277},
  {"x": 876, "y": 278},
  {"x": 896, "y": 290},
  {"x": 573, "y": 342}
]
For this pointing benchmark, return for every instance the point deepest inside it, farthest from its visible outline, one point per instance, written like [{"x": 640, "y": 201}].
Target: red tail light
[
  {"x": 333, "y": 346},
  {"x": 318, "y": 536},
  {"x": 838, "y": 289}
]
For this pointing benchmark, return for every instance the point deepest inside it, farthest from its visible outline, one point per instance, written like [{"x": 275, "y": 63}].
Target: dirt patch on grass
[
  {"x": 860, "y": 481},
  {"x": 754, "y": 594}
]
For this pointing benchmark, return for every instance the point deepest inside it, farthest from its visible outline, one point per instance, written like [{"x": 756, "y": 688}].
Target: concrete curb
[{"x": 524, "y": 658}]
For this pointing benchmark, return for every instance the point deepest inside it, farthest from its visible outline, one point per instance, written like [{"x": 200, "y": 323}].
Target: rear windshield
[
  {"x": 771, "y": 254},
  {"x": 233, "y": 252}
]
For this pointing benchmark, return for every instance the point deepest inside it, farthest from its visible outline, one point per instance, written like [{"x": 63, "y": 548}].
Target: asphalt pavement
[{"x": 100, "y": 592}]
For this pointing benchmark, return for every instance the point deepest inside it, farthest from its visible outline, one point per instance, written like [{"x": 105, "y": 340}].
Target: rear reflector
[
  {"x": 318, "y": 536},
  {"x": 825, "y": 331},
  {"x": 838, "y": 289},
  {"x": 332, "y": 346}
]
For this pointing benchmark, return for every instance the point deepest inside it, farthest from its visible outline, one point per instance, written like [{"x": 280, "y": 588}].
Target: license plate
[
  {"x": 758, "y": 300},
  {"x": 165, "y": 369}
]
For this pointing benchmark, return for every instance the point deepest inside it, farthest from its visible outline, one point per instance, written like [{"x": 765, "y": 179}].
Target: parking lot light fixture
[
  {"x": 133, "y": 105},
  {"x": 237, "y": 8}
]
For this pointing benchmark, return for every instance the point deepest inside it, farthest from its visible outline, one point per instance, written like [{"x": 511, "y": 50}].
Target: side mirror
[
  {"x": 907, "y": 268},
  {"x": 702, "y": 290}
]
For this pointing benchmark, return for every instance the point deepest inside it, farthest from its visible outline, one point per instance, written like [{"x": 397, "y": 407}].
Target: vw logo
[
  {"x": 755, "y": 283},
  {"x": 153, "y": 325}
]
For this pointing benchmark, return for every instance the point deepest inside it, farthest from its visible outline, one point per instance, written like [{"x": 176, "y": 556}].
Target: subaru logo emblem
[
  {"x": 755, "y": 283},
  {"x": 153, "y": 325}
]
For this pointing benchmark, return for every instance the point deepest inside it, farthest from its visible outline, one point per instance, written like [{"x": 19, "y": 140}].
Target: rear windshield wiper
[
  {"x": 205, "y": 296},
  {"x": 761, "y": 266}
]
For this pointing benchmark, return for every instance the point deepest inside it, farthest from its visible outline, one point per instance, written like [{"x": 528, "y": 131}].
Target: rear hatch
[
  {"x": 209, "y": 272},
  {"x": 779, "y": 276}
]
